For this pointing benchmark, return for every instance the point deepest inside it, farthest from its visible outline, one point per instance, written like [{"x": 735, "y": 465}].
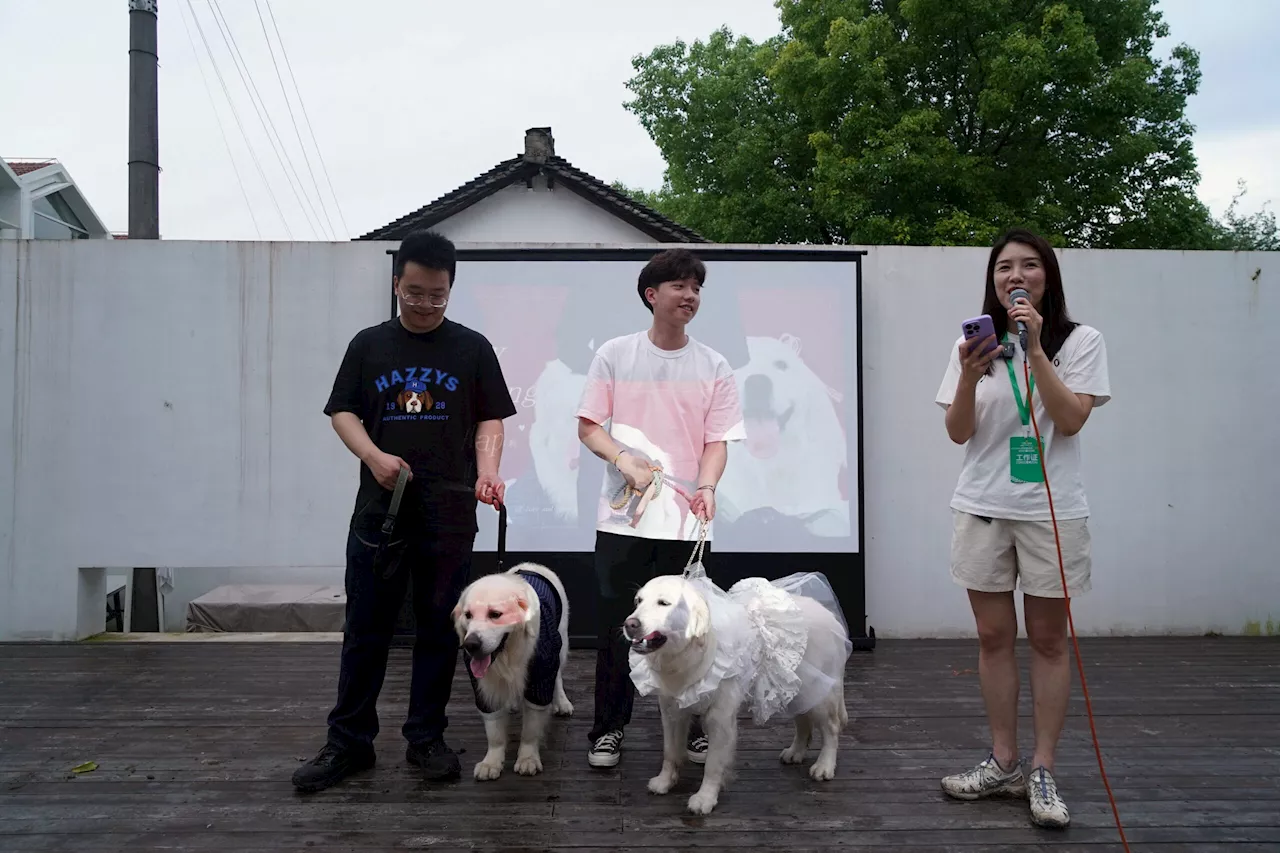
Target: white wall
[
  {"x": 168, "y": 409},
  {"x": 1179, "y": 466},
  {"x": 539, "y": 215},
  {"x": 160, "y": 405}
]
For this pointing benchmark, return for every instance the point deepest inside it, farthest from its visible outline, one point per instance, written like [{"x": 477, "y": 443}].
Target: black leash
[
  {"x": 389, "y": 525},
  {"x": 502, "y": 533}
]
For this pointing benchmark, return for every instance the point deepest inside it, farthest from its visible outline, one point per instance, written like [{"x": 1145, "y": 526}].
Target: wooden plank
[{"x": 195, "y": 743}]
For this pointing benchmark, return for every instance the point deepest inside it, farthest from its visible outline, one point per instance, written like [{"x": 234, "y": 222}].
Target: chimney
[
  {"x": 144, "y": 123},
  {"x": 539, "y": 144}
]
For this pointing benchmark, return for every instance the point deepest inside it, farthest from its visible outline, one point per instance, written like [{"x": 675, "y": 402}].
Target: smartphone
[{"x": 980, "y": 327}]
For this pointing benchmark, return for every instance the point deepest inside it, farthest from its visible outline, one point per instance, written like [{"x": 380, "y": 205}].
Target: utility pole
[{"x": 144, "y": 122}]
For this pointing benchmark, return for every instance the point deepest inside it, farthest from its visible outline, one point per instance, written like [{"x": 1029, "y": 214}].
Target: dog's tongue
[
  {"x": 479, "y": 666},
  {"x": 652, "y": 635},
  {"x": 763, "y": 437}
]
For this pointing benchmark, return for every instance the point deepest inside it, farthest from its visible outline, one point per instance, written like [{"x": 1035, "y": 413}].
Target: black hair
[
  {"x": 670, "y": 265},
  {"x": 427, "y": 249},
  {"x": 1053, "y": 305}
]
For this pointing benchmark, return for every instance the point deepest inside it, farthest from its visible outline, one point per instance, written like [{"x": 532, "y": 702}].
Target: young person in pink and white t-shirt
[{"x": 653, "y": 399}]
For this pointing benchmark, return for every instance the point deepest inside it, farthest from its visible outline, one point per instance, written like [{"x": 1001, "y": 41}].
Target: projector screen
[{"x": 786, "y": 320}]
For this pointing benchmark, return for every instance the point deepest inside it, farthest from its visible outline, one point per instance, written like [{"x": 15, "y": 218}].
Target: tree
[
  {"x": 1258, "y": 232},
  {"x": 931, "y": 122}
]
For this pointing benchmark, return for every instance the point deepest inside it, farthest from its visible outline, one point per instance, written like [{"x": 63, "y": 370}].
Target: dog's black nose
[
  {"x": 472, "y": 644},
  {"x": 757, "y": 394},
  {"x": 631, "y": 626}
]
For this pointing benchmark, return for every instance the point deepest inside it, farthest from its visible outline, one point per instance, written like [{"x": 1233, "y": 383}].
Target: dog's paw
[
  {"x": 823, "y": 771},
  {"x": 662, "y": 783},
  {"x": 562, "y": 709},
  {"x": 702, "y": 803},
  {"x": 488, "y": 770},
  {"x": 528, "y": 765},
  {"x": 791, "y": 755}
]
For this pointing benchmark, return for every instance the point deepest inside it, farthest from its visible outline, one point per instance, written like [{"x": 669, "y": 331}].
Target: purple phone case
[{"x": 980, "y": 327}]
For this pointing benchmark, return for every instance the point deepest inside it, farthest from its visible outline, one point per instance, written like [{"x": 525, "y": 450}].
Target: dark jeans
[
  {"x": 623, "y": 565},
  {"x": 440, "y": 568}
]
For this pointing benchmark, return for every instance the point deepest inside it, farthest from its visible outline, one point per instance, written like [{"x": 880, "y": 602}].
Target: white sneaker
[
  {"x": 1047, "y": 808},
  {"x": 988, "y": 779}
]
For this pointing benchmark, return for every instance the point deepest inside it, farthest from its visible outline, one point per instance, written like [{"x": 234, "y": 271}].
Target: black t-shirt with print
[{"x": 420, "y": 396}]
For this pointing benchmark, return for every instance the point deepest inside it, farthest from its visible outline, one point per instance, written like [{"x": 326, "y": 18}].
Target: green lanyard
[{"x": 1024, "y": 409}]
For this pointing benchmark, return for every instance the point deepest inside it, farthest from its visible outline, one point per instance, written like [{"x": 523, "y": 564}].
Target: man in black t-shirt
[{"x": 424, "y": 393}]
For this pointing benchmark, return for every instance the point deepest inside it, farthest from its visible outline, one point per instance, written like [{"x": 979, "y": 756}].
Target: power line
[
  {"x": 264, "y": 116},
  {"x": 236, "y": 115},
  {"x": 319, "y": 197},
  {"x": 302, "y": 105},
  {"x": 221, "y": 129}
]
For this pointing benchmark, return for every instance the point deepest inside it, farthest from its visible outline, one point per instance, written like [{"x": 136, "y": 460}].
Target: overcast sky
[{"x": 410, "y": 98}]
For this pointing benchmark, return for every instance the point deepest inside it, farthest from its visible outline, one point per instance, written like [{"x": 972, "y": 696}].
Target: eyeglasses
[{"x": 419, "y": 298}]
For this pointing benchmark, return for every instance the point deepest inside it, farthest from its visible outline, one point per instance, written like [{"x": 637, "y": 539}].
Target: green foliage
[
  {"x": 1257, "y": 232},
  {"x": 934, "y": 122}
]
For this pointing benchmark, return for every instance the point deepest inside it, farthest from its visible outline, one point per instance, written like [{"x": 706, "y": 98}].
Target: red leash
[{"x": 1026, "y": 372}]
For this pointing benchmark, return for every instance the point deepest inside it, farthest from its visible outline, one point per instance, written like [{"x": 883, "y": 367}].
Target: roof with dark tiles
[
  {"x": 539, "y": 158},
  {"x": 22, "y": 167}
]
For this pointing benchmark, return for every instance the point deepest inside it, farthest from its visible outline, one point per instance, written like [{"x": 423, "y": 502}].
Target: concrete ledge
[{"x": 225, "y": 637}]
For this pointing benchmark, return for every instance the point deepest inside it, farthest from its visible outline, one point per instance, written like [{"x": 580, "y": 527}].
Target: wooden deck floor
[{"x": 194, "y": 744}]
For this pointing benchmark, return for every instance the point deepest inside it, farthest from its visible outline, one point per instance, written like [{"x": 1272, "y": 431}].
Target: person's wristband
[
  {"x": 614, "y": 463},
  {"x": 711, "y": 487}
]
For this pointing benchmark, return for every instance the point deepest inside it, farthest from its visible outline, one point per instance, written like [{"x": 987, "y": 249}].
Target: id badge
[{"x": 1024, "y": 460}]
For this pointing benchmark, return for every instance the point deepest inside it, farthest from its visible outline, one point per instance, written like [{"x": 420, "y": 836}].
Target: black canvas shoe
[
  {"x": 697, "y": 752},
  {"x": 607, "y": 750},
  {"x": 438, "y": 762},
  {"x": 330, "y": 766}
]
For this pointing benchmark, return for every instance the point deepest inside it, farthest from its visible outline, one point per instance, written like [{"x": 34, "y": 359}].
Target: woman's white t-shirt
[{"x": 986, "y": 486}]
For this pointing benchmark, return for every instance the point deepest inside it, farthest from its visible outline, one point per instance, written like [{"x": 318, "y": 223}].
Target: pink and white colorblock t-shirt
[{"x": 664, "y": 406}]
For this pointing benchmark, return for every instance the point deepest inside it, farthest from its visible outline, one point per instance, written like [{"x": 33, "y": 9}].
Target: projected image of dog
[
  {"x": 673, "y": 628},
  {"x": 514, "y": 631},
  {"x": 796, "y": 451},
  {"x": 553, "y": 439}
]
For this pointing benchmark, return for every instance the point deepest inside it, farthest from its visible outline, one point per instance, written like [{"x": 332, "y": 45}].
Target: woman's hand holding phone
[{"x": 976, "y": 354}]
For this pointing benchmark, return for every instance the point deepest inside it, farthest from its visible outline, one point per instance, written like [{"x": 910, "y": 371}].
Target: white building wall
[
  {"x": 160, "y": 405},
  {"x": 1181, "y": 481},
  {"x": 517, "y": 214}
]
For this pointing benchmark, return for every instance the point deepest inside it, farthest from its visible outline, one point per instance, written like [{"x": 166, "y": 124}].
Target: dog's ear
[
  {"x": 699, "y": 619},
  {"x": 679, "y": 616},
  {"x": 458, "y": 628},
  {"x": 526, "y": 612},
  {"x": 699, "y": 616}
]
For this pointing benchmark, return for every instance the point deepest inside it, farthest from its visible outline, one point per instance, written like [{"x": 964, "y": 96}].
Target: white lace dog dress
[{"x": 761, "y": 639}]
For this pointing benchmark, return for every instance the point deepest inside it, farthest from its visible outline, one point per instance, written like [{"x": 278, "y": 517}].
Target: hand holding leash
[{"x": 694, "y": 567}]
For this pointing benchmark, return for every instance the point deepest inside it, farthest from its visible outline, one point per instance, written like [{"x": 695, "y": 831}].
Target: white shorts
[{"x": 999, "y": 555}]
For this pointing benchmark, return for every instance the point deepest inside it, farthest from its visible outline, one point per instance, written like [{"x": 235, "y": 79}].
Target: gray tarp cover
[{"x": 268, "y": 607}]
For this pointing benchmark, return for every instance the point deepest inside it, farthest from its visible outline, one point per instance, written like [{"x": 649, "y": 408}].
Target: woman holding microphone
[{"x": 1003, "y": 537}]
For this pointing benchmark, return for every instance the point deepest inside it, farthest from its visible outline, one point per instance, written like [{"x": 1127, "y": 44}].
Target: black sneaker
[
  {"x": 607, "y": 750},
  {"x": 697, "y": 751},
  {"x": 330, "y": 766},
  {"x": 438, "y": 762}
]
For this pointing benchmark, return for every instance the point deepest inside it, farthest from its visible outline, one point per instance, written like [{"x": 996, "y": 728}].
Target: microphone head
[{"x": 1014, "y": 295}]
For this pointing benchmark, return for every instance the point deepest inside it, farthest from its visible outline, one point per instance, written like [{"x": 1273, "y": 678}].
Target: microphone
[{"x": 1019, "y": 293}]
